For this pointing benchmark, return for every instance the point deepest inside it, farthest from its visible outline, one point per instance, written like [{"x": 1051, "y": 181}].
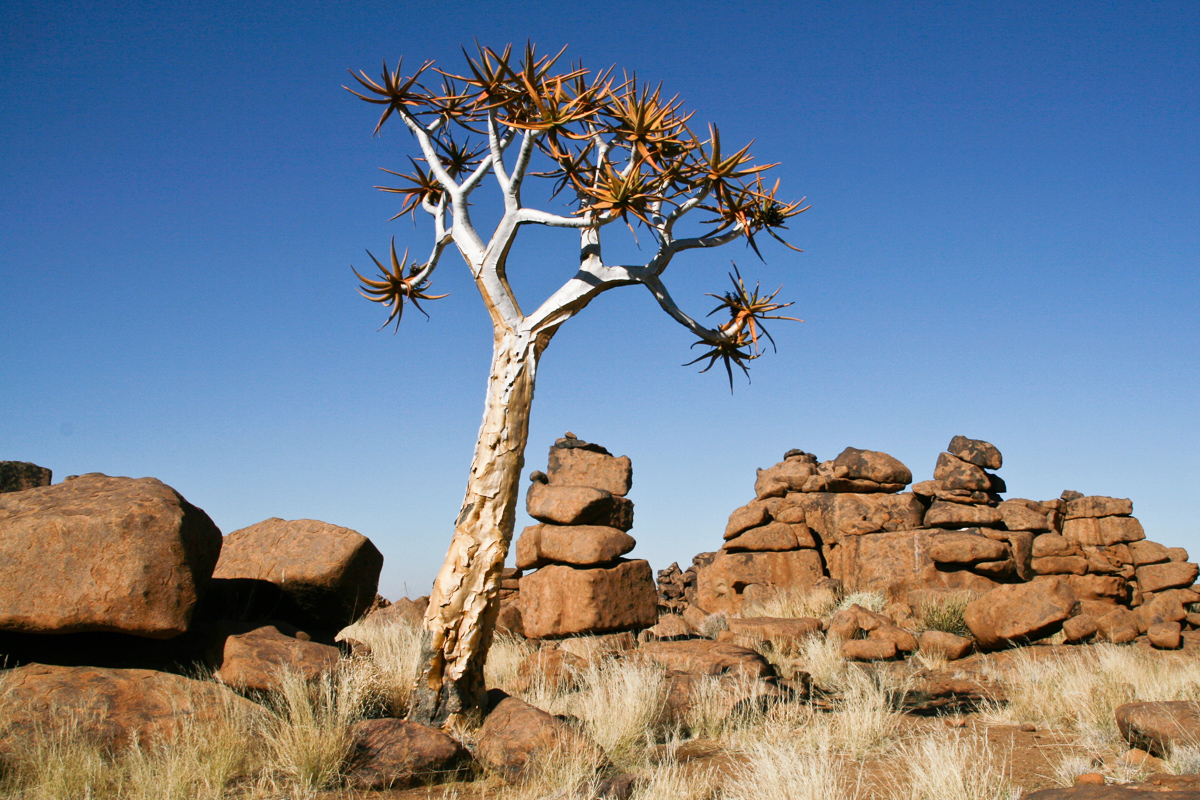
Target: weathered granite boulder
[
  {"x": 516, "y": 737},
  {"x": 954, "y": 473},
  {"x": 100, "y": 553},
  {"x": 976, "y": 451},
  {"x": 1020, "y": 612},
  {"x": 256, "y": 659},
  {"x": 579, "y": 466},
  {"x": 578, "y": 505},
  {"x": 310, "y": 573},
  {"x": 397, "y": 754},
  {"x": 559, "y": 600},
  {"x": 722, "y": 584},
  {"x": 579, "y": 545}
]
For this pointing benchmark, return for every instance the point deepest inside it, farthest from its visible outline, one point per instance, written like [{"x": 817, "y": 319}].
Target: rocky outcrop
[
  {"x": 16, "y": 476},
  {"x": 313, "y": 574},
  {"x": 100, "y": 553},
  {"x": 581, "y": 581}
]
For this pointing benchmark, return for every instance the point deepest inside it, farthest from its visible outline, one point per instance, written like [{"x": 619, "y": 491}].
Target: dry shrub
[
  {"x": 821, "y": 657},
  {"x": 1184, "y": 760},
  {"x": 713, "y": 624},
  {"x": 790, "y": 769},
  {"x": 623, "y": 705},
  {"x": 872, "y": 601},
  {"x": 944, "y": 613},
  {"x": 1073, "y": 765},
  {"x": 792, "y": 603},
  {"x": 949, "y": 767},
  {"x": 1080, "y": 691},
  {"x": 504, "y": 657},
  {"x": 675, "y": 782},
  {"x": 387, "y": 675},
  {"x": 308, "y": 739}
]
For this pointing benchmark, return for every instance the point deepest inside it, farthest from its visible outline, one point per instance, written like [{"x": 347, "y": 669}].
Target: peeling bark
[{"x": 464, "y": 602}]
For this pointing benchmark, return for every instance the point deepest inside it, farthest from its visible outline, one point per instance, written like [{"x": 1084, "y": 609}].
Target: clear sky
[{"x": 1003, "y": 243}]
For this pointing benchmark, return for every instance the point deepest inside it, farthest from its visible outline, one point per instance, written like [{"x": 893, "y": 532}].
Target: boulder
[
  {"x": 326, "y": 576},
  {"x": 578, "y": 505},
  {"x": 1118, "y": 626},
  {"x": 904, "y": 641},
  {"x": 958, "y": 515},
  {"x": 899, "y": 562},
  {"x": 1173, "y": 574},
  {"x": 397, "y": 754},
  {"x": 581, "y": 545},
  {"x": 954, "y": 473},
  {"x": 1103, "y": 530},
  {"x": 1059, "y": 565},
  {"x": 576, "y": 466},
  {"x": 1017, "y": 516},
  {"x": 1177, "y": 553},
  {"x": 1080, "y": 628},
  {"x": 563, "y": 601},
  {"x": 516, "y": 737},
  {"x": 1165, "y": 635},
  {"x": 965, "y": 548},
  {"x": 99, "y": 553},
  {"x": 1147, "y": 552},
  {"x": 870, "y": 465},
  {"x": 789, "y": 475},
  {"x": 113, "y": 708},
  {"x": 751, "y": 515},
  {"x": 836, "y": 515},
  {"x": 775, "y": 536},
  {"x": 1098, "y": 506},
  {"x": 256, "y": 660},
  {"x": 1020, "y": 612},
  {"x": 16, "y": 476},
  {"x": 721, "y": 585},
  {"x": 702, "y": 657},
  {"x": 1111, "y": 588},
  {"x": 945, "y": 645},
  {"x": 1158, "y": 726},
  {"x": 551, "y": 668},
  {"x": 1052, "y": 544},
  {"x": 868, "y": 649},
  {"x": 976, "y": 451}
]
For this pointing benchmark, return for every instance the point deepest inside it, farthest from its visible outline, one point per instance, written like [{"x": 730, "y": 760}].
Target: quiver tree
[{"x": 620, "y": 153}]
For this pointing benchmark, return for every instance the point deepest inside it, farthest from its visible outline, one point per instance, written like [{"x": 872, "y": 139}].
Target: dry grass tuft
[
  {"x": 793, "y": 603},
  {"x": 949, "y": 767},
  {"x": 944, "y": 613},
  {"x": 790, "y": 770},
  {"x": 308, "y": 738}
]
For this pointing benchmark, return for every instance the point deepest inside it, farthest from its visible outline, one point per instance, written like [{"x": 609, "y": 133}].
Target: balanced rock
[
  {"x": 99, "y": 553},
  {"x": 789, "y": 475},
  {"x": 1098, "y": 506},
  {"x": 1103, "y": 531},
  {"x": 1018, "y": 515},
  {"x": 775, "y": 536},
  {"x": 559, "y": 600},
  {"x": 326, "y": 576},
  {"x": 976, "y": 451},
  {"x": 16, "y": 476},
  {"x": 579, "y": 466},
  {"x": 954, "y": 473},
  {"x": 579, "y": 545},
  {"x": 578, "y": 505},
  {"x": 839, "y": 514}
]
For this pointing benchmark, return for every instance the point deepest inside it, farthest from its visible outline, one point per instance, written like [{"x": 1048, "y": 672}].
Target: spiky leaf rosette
[{"x": 395, "y": 287}]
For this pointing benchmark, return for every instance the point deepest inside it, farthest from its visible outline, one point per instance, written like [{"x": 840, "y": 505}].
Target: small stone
[
  {"x": 1165, "y": 635},
  {"x": 945, "y": 645},
  {"x": 1089, "y": 779},
  {"x": 1080, "y": 628},
  {"x": 869, "y": 649}
]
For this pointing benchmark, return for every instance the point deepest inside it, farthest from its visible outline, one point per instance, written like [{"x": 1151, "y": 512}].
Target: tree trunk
[{"x": 464, "y": 602}]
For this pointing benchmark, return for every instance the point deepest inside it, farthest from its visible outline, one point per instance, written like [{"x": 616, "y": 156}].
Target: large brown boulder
[
  {"x": 1018, "y": 516},
  {"x": 579, "y": 466},
  {"x": 1103, "y": 530},
  {"x": 517, "y": 737},
  {"x": 1157, "y": 726},
  {"x": 954, "y": 473},
  {"x": 111, "y": 707},
  {"x": 954, "y": 547},
  {"x": 898, "y": 561},
  {"x": 789, "y": 475},
  {"x": 397, "y": 754},
  {"x": 959, "y": 515},
  {"x": 98, "y": 553},
  {"x": 1098, "y": 506},
  {"x": 326, "y": 575},
  {"x": 16, "y": 476},
  {"x": 772, "y": 536},
  {"x": 578, "y": 505},
  {"x": 1020, "y": 612},
  {"x": 563, "y": 601},
  {"x": 1172, "y": 575},
  {"x": 257, "y": 659},
  {"x": 722, "y": 584},
  {"x": 836, "y": 515},
  {"x": 581, "y": 545},
  {"x": 870, "y": 465},
  {"x": 976, "y": 451}
]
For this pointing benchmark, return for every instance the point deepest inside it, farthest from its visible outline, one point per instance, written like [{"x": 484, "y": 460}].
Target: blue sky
[{"x": 1003, "y": 243}]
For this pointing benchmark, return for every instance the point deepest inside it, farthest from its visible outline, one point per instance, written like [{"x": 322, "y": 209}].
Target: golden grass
[
  {"x": 944, "y": 613},
  {"x": 952, "y": 767}
]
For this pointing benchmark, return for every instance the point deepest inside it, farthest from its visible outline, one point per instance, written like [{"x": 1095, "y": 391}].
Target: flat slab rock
[
  {"x": 1168, "y": 787},
  {"x": 103, "y": 554},
  {"x": 112, "y": 707},
  {"x": 702, "y": 657},
  {"x": 579, "y": 545},
  {"x": 328, "y": 574}
]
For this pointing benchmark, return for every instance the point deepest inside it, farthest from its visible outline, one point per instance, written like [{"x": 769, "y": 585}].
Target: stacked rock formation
[
  {"x": 581, "y": 583},
  {"x": 1077, "y": 563},
  {"x": 804, "y": 524}
]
